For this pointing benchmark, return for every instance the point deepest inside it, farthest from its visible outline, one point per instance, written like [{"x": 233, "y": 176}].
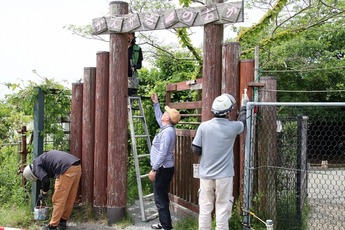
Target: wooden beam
[
  {"x": 220, "y": 13},
  {"x": 256, "y": 84}
]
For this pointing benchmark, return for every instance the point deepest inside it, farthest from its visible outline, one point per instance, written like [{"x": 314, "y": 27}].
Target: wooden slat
[
  {"x": 188, "y": 205},
  {"x": 185, "y": 85},
  {"x": 189, "y": 123},
  {"x": 186, "y": 105},
  {"x": 191, "y": 115},
  {"x": 186, "y": 132},
  {"x": 256, "y": 84},
  {"x": 171, "y": 87}
]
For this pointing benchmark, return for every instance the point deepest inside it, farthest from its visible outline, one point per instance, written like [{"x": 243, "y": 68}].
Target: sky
[{"x": 33, "y": 38}]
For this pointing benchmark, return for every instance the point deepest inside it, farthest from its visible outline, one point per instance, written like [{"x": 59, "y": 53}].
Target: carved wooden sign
[{"x": 221, "y": 13}]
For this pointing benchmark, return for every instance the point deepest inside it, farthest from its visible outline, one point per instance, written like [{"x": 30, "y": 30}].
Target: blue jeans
[{"x": 161, "y": 195}]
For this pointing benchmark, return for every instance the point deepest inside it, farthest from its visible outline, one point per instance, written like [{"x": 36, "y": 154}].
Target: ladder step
[
  {"x": 153, "y": 216},
  {"x": 148, "y": 196},
  {"x": 144, "y": 176},
  {"x": 138, "y": 116},
  {"x": 143, "y": 155},
  {"x": 141, "y": 136}
]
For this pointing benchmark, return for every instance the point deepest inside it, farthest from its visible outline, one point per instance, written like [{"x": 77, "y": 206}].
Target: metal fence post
[
  {"x": 38, "y": 138},
  {"x": 247, "y": 164}
]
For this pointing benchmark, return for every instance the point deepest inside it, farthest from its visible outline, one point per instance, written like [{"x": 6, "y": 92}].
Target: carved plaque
[
  {"x": 99, "y": 25},
  {"x": 151, "y": 20},
  {"x": 209, "y": 14},
  {"x": 230, "y": 13},
  {"x": 187, "y": 16},
  {"x": 132, "y": 22},
  {"x": 170, "y": 18},
  {"x": 115, "y": 24},
  {"x": 220, "y": 13}
]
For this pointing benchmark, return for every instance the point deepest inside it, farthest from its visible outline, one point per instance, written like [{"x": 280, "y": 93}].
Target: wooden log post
[
  {"x": 246, "y": 76},
  {"x": 117, "y": 121},
  {"x": 212, "y": 65},
  {"x": 88, "y": 134},
  {"x": 267, "y": 148},
  {"x": 101, "y": 132},
  {"x": 231, "y": 71},
  {"x": 76, "y": 119},
  {"x": 76, "y": 123},
  {"x": 230, "y": 85},
  {"x": 23, "y": 151}
]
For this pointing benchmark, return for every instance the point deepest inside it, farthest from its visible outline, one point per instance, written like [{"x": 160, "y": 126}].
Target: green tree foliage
[
  {"x": 17, "y": 110},
  {"x": 57, "y": 101},
  {"x": 301, "y": 43}
]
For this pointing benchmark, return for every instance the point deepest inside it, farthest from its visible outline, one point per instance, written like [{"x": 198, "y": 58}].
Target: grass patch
[
  {"x": 17, "y": 217},
  {"x": 125, "y": 222},
  {"x": 187, "y": 223},
  {"x": 83, "y": 213}
]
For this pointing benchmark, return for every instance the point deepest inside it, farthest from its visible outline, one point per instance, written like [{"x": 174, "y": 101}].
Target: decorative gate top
[{"x": 220, "y": 13}]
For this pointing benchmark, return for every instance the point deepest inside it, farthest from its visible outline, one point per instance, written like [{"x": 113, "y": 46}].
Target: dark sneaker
[
  {"x": 156, "y": 226},
  {"x": 49, "y": 227},
  {"x": 63, "y": 225}
]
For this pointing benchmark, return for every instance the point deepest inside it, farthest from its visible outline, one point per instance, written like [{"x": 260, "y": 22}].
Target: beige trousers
[
  {"x": 65, "y": 193},
  {"x": 215, "y": 194}
]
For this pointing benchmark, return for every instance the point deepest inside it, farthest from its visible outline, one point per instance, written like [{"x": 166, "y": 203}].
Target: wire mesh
[{"x": 297, "y": 166}]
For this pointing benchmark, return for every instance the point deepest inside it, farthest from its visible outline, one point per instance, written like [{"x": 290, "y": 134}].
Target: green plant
[
  {"x": 187, "y": 223},
  {"x": 16, "y": 216},
  {"x": 125, "y": 222},
  {"x": 11, "y": 191},
  {"x": 83, "y": 213},
  {"x": 236, "y": 219}
]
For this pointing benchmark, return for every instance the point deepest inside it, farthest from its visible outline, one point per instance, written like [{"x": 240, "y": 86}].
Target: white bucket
[
  {"x": 41, "y": 213},
  {"x": 196, "y": 170}
]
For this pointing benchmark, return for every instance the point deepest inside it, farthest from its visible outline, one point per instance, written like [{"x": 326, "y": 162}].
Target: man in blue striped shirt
[{"x": 162, "y": 161}]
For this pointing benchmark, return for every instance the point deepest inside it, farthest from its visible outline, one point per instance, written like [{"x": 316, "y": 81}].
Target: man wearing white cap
[
  {"x": 66, "y": 170},
  {"x": 162, "y": 161},
  {"x": 214, "y": 142}
]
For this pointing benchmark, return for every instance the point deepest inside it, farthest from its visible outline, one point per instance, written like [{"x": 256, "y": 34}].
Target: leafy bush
[{"x": 11, "y": 191}]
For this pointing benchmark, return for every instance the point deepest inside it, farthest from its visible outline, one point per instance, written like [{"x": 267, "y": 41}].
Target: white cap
[
  {"x": 223, "y": 104},
  {"x": 28, "y": 174}
]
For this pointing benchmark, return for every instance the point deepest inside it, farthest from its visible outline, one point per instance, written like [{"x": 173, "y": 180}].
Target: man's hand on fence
[
  {"x": 244, "y": 102},
  {"x": 245, "y": 98}
]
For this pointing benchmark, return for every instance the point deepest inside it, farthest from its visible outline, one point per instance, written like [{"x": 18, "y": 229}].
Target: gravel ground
[{"x": 135, "y": 214}]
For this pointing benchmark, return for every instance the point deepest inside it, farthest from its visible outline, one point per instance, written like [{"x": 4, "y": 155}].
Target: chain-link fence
[{"x": 295, "y": 165}]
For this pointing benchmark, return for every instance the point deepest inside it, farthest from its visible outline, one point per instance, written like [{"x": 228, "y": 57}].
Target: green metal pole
[{"x": 38, "y": 138}]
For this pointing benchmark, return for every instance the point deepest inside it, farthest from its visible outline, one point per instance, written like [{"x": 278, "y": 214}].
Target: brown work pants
[{"x": 66, "y": 189}]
